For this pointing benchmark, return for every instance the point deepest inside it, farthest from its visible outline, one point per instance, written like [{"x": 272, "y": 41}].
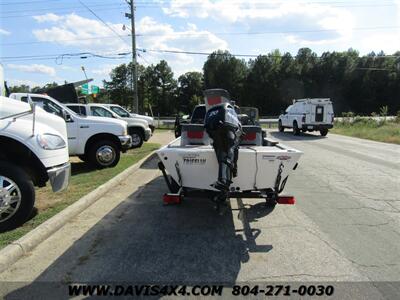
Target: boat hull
[{"x": 258, "y": 166}]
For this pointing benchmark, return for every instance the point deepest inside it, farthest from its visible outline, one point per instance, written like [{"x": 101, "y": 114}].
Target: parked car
[
  {"x": 98, "y": 141},
  {"x": 123, "y": 113},
  {"x": 33, "y": 150},
  {"x": 138, "y": 129},
  {"x": 308, "y": 115}
]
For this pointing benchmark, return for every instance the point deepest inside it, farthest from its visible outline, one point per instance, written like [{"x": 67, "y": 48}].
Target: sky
[{"x": 41, "y": 40}]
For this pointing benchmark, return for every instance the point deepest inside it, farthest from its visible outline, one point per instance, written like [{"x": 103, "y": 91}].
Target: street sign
[
  {"x": 95, "y": 89},
  {"x": 85, "y": 89}
]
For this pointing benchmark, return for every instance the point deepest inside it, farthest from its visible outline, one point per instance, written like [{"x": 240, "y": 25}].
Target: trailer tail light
[
  {"x": 171, "y": 199},
  {"x": 214, "y": 100},
  {"x": 250, "y": 136},
  {"x": 286, "y": 200},
  {"x": 195, "y": 134},
  {"x": 303, "y": 119}
]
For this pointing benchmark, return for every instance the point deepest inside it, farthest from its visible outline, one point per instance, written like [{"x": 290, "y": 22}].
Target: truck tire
[
  {"x": 323, "y": 132},
  {"x": 83, "y": 158},
  {"x": 17, "y": 196},
  {"x": 137, "y": 138},
  {"x": 104, "y": 154},
  {"x": 296, "y": 129},
  {"x": 280, "y": 127}
]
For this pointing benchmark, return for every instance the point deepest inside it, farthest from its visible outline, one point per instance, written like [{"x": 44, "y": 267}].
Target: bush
[{"x": 397, "y": 119}]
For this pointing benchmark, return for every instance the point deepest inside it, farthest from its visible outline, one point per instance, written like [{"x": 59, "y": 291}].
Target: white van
[
  {"x": 308, "y": 115},
  {"x": 95, "y": 140},
  {"x": 33, "y": 150}
]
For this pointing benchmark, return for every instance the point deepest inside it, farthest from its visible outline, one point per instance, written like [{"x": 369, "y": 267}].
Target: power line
[
  {"x": 206, "y": 33},
  {"x": 105, "y": 23},
  {"x": 143, "y": 50}
]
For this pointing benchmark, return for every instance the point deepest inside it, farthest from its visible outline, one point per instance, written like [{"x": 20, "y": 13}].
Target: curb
[{"x": 14, "y": 251}]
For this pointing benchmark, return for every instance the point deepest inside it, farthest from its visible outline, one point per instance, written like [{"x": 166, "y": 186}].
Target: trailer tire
[
  {"x": 174, "y": 185},
  {"x": 280, "y": 127},
  {"x": 323, "y": 132},
  {"x": 104, "y": 154},
  {"x": 11, "y": 174},
  {"x": 296, "y": 129}
]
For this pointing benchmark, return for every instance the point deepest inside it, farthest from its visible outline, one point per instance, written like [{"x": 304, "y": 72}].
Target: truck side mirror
[{"x": 67, "y": 117}]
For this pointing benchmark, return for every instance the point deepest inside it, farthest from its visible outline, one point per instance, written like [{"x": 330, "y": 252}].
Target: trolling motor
[{"x": 222, "y": 125}]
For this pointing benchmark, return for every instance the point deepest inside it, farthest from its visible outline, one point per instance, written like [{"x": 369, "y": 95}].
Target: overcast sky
[{"x": 54, "y": 27}]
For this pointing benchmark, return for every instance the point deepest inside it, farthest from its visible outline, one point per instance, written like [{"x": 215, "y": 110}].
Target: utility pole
[{"x": 131, "y": 16}]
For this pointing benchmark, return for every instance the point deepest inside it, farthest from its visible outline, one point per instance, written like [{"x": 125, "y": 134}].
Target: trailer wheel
[
  {"x": 269, "y": 202},
  {"x": 280, "y": 127},
  {"x": 17, "y": 196},
  {"x": 323, "y": 132},
  {"x": 296, "y": 129},
  {"x": 174, "y": 185}
]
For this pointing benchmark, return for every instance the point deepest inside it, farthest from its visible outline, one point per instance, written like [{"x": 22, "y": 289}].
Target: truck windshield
[
  {"x": 120, "y": 111},
  {"x": 50, "y": 105}
]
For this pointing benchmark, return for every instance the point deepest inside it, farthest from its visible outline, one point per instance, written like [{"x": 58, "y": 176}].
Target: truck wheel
[
  {"x": 104, "y": 154},
  {"x": 323, "y": 132},
  {"x": 17, "y": 196},
  {"x": 137, "y": 138},
  {"x": 83, "y": 158},
  {"x": 280, "y": 127},
  {"x": 296, "y": 130}
]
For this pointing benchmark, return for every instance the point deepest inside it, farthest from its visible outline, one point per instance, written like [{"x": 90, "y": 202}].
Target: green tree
[
  {"x": 223, "y": 70},
  {"x": 190, "y": 91}
]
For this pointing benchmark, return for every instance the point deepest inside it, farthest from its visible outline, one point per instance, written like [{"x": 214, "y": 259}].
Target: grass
[
  {"x": 84, "y": 179},
  {"x": 388, "y": 132}
]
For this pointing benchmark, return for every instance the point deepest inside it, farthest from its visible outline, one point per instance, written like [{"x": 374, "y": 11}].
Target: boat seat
[
  {"x": 252, "y": 135},
  {"x": 194, "y": 134}
]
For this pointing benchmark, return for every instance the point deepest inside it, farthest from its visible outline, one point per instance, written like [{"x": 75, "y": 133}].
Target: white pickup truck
[
  {"x": 122, "y": 112},
  {"x": 33, "y": 150},
  {"x": 138, "y": 129},
  {"x": 95, "y": 140},
  {"x": 308, "y": 115}
]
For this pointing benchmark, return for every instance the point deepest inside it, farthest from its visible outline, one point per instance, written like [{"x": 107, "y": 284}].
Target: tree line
[{"x": 361, "y": 84}]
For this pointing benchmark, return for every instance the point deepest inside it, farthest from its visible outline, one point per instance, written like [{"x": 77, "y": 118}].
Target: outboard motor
[{"x": 222, "y": 125}]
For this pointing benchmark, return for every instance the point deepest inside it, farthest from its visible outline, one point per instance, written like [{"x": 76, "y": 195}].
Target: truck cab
[
  {"x": 98, "y": 141},
  {"x": 138, "y": 129},
  {"x": 123, "y": 113},
  {"x": 308, "y": 115},
  {"x": 33, "y": 151}
]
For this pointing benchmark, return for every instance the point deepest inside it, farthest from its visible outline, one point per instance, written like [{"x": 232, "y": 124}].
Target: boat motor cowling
[{"x": 222, "y": 125}]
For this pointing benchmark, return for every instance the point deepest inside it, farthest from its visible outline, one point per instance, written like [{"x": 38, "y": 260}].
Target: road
[{"x": 344, "y": 227}]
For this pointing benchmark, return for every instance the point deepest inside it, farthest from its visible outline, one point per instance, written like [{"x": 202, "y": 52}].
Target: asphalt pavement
[{"x": 344, "y": 227}]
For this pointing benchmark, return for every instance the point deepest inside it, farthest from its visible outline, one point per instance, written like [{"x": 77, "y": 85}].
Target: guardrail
[{"x": 167, "y": 122}]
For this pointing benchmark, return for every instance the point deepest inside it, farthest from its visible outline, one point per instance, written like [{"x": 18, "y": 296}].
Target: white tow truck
[
  {"x": 94, "y": 139},
  {"x": 308, "y": 115},
  {"x": 138, "y": 129},
  {"x": 33, "y": 150}
]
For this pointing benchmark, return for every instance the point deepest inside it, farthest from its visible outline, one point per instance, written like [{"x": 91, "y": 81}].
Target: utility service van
[{"x": 308, "y": 115}]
